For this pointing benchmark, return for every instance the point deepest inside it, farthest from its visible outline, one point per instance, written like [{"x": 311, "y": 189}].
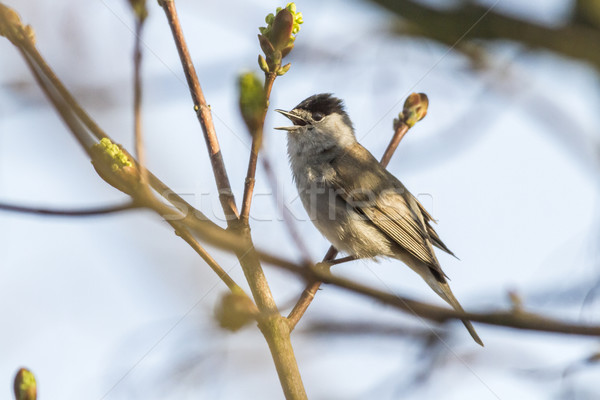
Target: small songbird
[{"x": 360, "y": 207}]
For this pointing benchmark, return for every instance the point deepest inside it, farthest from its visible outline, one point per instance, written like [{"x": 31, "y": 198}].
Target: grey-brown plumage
[{"x": 360, "y": 207}]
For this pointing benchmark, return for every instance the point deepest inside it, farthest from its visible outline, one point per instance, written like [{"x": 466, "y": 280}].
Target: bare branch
[
  {"x": 517, "y": 319},
  {"x": 399, "y": 133},
  {"x": 203, "y": 113},
  {"x": 137, "y": 104},
  {"x": 370, "y": 328},
  {"x": 184, "y": 233},
  {"x": 576, "y": 38},
  {"x": 81, "y": 125},
  {"x": 70, "y": 213}
]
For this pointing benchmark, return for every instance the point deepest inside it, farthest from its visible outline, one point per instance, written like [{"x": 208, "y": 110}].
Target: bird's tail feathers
[{"x": 443, "y": 290}]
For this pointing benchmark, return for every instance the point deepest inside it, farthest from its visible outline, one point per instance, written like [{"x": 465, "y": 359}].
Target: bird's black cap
[{"x": 325, "y": 103}]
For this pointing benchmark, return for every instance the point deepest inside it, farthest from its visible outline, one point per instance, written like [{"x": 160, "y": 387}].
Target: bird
[{"x": 356, "y": 203}]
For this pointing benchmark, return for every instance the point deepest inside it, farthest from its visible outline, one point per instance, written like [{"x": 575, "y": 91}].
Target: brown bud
[
  {"x": 265, "y": 45},
  {"x": 415, "y": 108},
  {"x": 282, "y": 29},
  {"x": 286, "y": 50}
]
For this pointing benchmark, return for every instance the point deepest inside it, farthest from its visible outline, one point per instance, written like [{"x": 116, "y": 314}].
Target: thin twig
[
  {"x": 42, "y": 70},
  {"x": 359, "y": 328},
  {"x": 342, "y": 260},
  {"x": 137, "y": 104},
  {"x": 69, "y": 213},
  {"x": 574, "y": 37},
  {"x": 83, "y": 127},
  {"x": 203, "y": 113},
  {"x": 399, "y": 133},
  {"x": 183, "y": 233},
  {"x": 257, "y": 139},
  {"x": 79, "y": 130},
  {"x": 311, "y": 289},
  {"x": 513, "y": 318}
]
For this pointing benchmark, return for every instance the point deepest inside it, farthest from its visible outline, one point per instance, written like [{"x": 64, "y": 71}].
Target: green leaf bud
[
  {"x": 25, "y": 386},
  {"x": 284, "y": 69},
  {"x": 252, "y": 100},
  {"x": 262, "y": 63}
]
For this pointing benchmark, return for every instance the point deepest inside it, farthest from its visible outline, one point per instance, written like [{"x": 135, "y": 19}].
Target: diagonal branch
[
  {"x": 576, "y": 38},
  {"x": 85, "y": 130},
  {"x": 69, "y": 213},
  {"x": 516, "y": 318},
  {"x": 183, "y": 233},
  {"x": 203, "y": 113}
]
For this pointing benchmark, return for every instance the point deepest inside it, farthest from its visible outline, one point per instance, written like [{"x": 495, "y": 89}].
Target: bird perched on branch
[{"x": 360, "y": 207}]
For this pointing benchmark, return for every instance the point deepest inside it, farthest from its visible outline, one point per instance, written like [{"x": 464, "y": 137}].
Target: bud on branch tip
[
  {"x": 415, "y": 109},
  {"x": 252, "y": 100},
  {"x": 277, "y": 38},
  {"x": 12, "y": 28},
  {"x": 112, "y": 153},
  {"x": 25, "y": 386},
  {"x": 113, "y": 165},
  {"x": 139, "y": 9}
]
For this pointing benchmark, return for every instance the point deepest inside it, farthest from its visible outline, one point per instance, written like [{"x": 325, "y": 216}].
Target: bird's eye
[{"x": 317, "y": 116}]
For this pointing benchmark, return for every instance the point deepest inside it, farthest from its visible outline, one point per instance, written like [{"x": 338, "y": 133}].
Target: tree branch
[
  {"x": 203, "y": 113},
  {"x": 183, "y": 232},
  {"x": 577, "y": 38},
  {"x": 515, "y": 318},
  {"x": 137, "y": 104},
  {"x": 82, "y": 126},
  {"x": 70, "y": 213}
]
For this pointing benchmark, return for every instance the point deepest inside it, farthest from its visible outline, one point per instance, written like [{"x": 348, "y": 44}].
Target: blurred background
[{"x": 507, "y": 160}]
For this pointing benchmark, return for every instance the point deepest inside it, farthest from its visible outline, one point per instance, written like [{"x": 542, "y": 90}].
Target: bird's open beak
[{"x": 294, "y": 117}]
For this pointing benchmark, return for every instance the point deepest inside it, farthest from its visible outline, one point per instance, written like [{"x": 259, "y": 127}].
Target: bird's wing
[
  {"x": 396, "y": 212},
  {"x": 383, "y": 199},
  {"x": 435, "y": 239}
]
